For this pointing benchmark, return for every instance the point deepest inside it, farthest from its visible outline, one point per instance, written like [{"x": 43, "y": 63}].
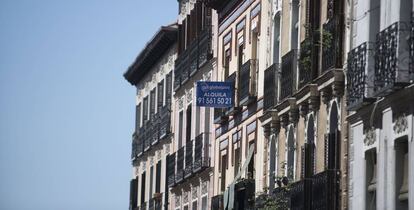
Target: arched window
[
  {"x": 332, "y": 142},
  {"x": 290, "y": 155}
]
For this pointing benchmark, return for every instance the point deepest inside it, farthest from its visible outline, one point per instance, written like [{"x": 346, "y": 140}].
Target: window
[
  {"x": 290, "y": 155},
  {"x": 152, "y": 102},
  {"x": 250, "y": 167},
  {"x": 237, "y": 161},
  {"x": 371, "y": 179},
  {"x": 138, "y": 117},
  {"x": 204, "y": 204},
  {"x": 276, "y": 44},
  {"x": 227, "y": 58},
  {"x": 168, "y": 89},
  {"x": 223, "y": 172},
  {"x": 151, "y": 181},
  {"x": 195, "y": 205},
  {"x": 160, "y": 99},
  {"x": 294, "y": 25},
  {"x": 180, "y": 129},
  {"x": 158, "y": 178},
  {"x": 145, "y": 111},
  {"x": 143, "y": 188},
  {"x": 401, "y": 173},
  {"x": 188, "y": 124}
]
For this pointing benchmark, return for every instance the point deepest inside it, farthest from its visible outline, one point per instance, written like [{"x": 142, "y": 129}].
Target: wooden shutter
[
  {"x": 303, "y": 161},
  {"x": 160, "y": 98},
  {"x": 152, "y": 102},
  {"x": 138, "y": 117},
  {"x": 142, "y": 188},
  {"x": 158, "y": 178},
  {"x": 133, "y": 191},
  {"x": 168, "y": 89}
]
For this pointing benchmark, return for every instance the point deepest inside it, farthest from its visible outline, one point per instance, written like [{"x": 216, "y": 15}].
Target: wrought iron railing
[
  {"x": 171, "y": 169},
  {"x": 220, "y": 115},
  {"x": 360, "y": 61},
  {"x": 305, "y": 62},
  {"x": 148, "y": 136},
  {"x": 165, "y": 122},
  {"x": 297, "y": 195},
  {"x": 151, "y": 204},
  {"x": 392, "y": 58},
  {"x": 188, "y": 170},
  {"x": 325, "y": 190},
  {"x": 179, "y": 174},
  {"x": 330, "y": 44},
  {"x": 197, "y": 53},
  {"x": 217, "y": 202},
  {"x": 134, "y": 152},
  {"x": 201, "y": 152},
  {"x": 248, "y": 82},
  {"x": 204, "y": 47},
  {"x": 288, "y": 75},
  {"x": 270, "y": 86}
]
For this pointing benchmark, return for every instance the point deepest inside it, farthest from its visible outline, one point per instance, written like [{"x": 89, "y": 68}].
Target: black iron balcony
[
  {"x": 151, "y": 204},
  {"x": 188, "y": 171},
  {"x": 134, "y": 152},
  {"x": 147, "y": 136},
  {"x": 204, "y": 47},
  {"x": 325, "y": 190},
  {"x": 305, "y": 62},
  {"x": 193, "y": 58},
  {"x": 220, "y": 115},
  {"x": 245, "y": 192},
  {"x": 155, "y": 125},
  {"x": 297, "y": 195},
  {"x": 217, "y": 202},
  {"x": 179, "y": 174},
  {"x": 165, "y": 122},
  {"x": 392, "y": 58},
  {"x": 188, "y": 62},
  {"x": 331, "y": 41},
  {"x": 359, "y": 76},
  {"x": 288, "y": 76},
  {"x": 171, "y": 170},
  {"x": 140, "y": 142},
  {"x": 235, "y": 108},
  {"x": 247, "y": 82},
  {"x": 201, "y": 152},
  {"x": 270, "y": 86}
]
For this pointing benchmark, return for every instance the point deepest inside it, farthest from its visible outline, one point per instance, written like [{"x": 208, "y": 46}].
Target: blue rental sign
[{"x": 215, "y": 94}]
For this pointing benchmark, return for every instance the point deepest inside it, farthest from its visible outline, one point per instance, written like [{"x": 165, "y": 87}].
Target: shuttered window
[
  {"x": 188, "y": 123},
  {"x": 133, "y": 193},
  {"x": 142, "y": 188},
  {"x": 138, "y": 117},
  {"x": 152, "y": 102},
  {"x": 158, "y": 178},
  {"x": 145, "y": 109},
  {"x": 160, "y": 98},
  {"x": 168, "y": 89}
]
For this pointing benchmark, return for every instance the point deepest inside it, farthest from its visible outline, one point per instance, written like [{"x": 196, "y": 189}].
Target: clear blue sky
[{"x": 66, "y": 113}]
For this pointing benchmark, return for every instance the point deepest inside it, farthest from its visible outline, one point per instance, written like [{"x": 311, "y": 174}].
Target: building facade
[
  {"x": 190, "y": 163},
  {"x": 322, "y": 115},
  {"x": 152, "y": 74},
  {"x": 380, "y": 99}
]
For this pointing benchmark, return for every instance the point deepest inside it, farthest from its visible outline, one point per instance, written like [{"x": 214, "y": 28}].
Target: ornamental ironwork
[
  {"x": 288, "y": 75},
  {"x": 270, "y": 86}
]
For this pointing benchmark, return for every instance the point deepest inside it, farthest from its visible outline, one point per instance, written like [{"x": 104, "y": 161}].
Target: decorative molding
[
  {"x": 204, "y": 188},
  {"x": 400, "y": 124},
  {"x": 180, "y": 103},
  {"x": 370, "y": 137},
  {"x": 185, "y": 197},
  {"x": 151, "y": 161},
  {"x": 159, "y": 155},
  {"x": 177, "y": 201},
  {"x": 189, "y": 96},
  {"x": 144, "y": 165},
  {"x": 194, "y": 192}
]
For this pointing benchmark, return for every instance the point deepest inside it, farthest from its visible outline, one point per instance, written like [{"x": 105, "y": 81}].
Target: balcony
[
  {"x": 148, "y": 136},
  {"x": 331, "y": 41},
  {"x": 188, "y": 171},
  {"x": 247, "y": 82},
  {"x": 325, "y": 190},
  {"x": 164, "y": 123},
  {"x": 288, "y": 76},
  {"x": 270, "y": 86},
  {"x": 151, "y": 204},
  {"x": 234, "y": 109},
  {"x": 244, "y": 194},
  {"x": 171, "y": 170},
  {"x": 201, "y": 152},
  {"x": 197, "y": 53},
  {"x": 392, "y": 58},
  {"x": 220, "y": 116},
  {"x": 179, "y": 174},
  {"x": 305, "y": 62},
  {"x": 360, "y": 68},
  {"x": 217, "y": 202}
]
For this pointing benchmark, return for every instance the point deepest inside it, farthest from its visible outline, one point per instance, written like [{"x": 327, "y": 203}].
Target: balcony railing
[
  {"x": 201, "y": 152},
  {"x": 288, "y": 76},
  {"x": 179, "y": 174},
  {"x": 193, "y": 58},
  {"x": 297, "y": 195},
  {"x": 360, "y": 68},
  {"x": 331, "y": 44},
  {"x": 188, "y": 171},
  {"x": 270, "y": 86},
  {"x": 217, "y": 202},
  {"x": 220, "y": 115},
  {"x": 305, "y": 62},
  {"x": 247, "y": 82},
  {"x": 325, "y": 190},
  {"x": 153, "y": 131},
  {"x": 392, "y": 59},
  {"x": 171, "y": 170},
  {"x": 151, "y": 204}
]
